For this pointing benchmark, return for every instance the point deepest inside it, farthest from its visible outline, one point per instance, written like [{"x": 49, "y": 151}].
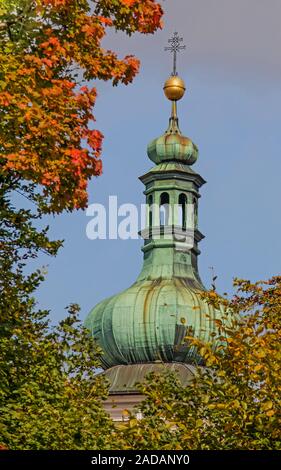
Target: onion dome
[
  {"x": 173, "y": 146},
  {"x": 149, "y": 321}
]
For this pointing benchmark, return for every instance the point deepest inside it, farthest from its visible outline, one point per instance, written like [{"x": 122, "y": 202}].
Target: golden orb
[{"x": 174, "y": 88}]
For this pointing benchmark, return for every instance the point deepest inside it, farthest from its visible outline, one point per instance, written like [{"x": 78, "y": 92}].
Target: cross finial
[{"x": 175, "y": 47}]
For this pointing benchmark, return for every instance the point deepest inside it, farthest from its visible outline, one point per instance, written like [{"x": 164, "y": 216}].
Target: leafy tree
[
  {"x": 50, "y": 397},
  {"x": 234, "y": 402},
  {"x": 49, "y": 50}
]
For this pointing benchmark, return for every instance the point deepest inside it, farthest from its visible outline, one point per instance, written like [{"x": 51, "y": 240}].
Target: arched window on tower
[
  {"x": 195, "y": 211},
  {"x": 150, "y": 213},
  {"x": 182, "y": 211},
  {"x": 164, "y": 209}
]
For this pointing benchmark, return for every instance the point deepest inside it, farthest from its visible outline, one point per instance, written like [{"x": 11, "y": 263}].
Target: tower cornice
[{"x": 177, "y": 174}]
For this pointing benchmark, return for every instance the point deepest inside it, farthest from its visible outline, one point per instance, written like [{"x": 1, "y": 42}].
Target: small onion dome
[
  {"x": 172, "y": 147},
  {"x": 174, "y": 88}
]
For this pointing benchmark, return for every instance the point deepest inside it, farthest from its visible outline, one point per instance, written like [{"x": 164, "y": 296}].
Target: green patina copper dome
[
  {"x": 149, "y": 321},
  {"x": 172, "y": 146}
]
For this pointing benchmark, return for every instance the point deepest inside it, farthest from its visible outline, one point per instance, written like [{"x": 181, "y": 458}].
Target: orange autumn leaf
[{"x": 129, "y": 3}]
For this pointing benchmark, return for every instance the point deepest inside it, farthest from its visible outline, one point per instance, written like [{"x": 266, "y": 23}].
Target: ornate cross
[{"x": 175, "y": 47}]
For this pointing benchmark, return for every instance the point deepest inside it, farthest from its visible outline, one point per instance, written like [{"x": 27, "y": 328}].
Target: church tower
[{"x": 143, "y": 329}]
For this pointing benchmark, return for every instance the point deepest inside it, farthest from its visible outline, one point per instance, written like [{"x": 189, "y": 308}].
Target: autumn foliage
[
  {"x": 234, "y": 402},
  {"x": 51, "y": 55},
  {"x": 49, "y": 51}
]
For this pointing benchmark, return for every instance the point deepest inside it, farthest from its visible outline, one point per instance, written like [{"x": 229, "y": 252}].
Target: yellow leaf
[{"x": 267, "y": 405}]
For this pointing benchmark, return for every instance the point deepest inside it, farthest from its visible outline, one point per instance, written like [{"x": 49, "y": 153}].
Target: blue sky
[{"x": 232, "y": 111}]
